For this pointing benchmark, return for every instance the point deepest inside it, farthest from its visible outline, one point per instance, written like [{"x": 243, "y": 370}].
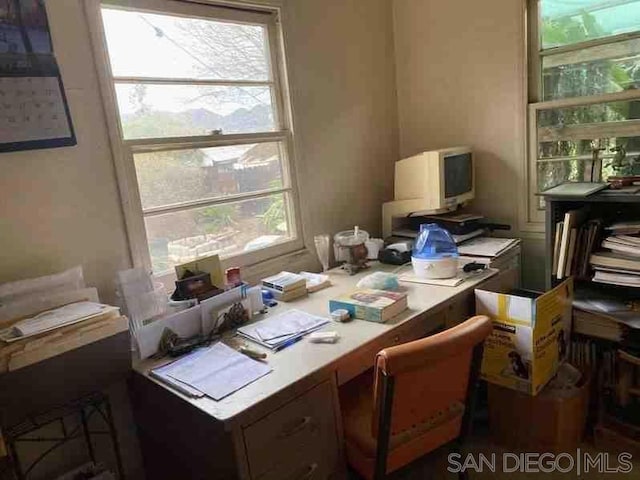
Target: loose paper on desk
[
  {"x": 163, "y": 374},
  {"x": 219, "y": 371},
  {"x": 443, "y": 282},
  {"x": 273, "y": 332},
  {"x": 52, "y": 319}
]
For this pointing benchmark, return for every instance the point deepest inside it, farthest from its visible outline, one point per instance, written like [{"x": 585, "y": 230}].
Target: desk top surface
[{"x": 305, "y": 358}]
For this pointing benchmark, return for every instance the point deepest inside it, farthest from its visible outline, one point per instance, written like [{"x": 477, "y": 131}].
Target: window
[
  {"x": 200, "y": 130},
  {"x": 584, "y": 92}
]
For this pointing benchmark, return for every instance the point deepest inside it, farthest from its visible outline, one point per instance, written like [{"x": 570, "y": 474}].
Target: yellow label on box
[{"x": 529, "y": 338}]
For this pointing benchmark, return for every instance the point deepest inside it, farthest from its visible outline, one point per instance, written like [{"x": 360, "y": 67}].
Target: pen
[{"x": 287, "y": 343}]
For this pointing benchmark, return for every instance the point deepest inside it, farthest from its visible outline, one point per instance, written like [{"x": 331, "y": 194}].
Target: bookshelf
[
  {"x": 608, "y": 206},
  {"x": 609, "y": 417}
]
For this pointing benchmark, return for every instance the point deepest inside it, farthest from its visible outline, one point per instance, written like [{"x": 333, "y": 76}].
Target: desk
[{"x": 287, "y": 424}]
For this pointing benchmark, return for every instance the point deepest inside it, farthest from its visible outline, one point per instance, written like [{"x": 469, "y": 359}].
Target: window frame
[
  {"x": 533, "y": 216},
  {"x": 123, "y": 150}
]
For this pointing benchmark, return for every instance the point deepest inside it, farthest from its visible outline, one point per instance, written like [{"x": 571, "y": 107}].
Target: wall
[
  {"x": 343, "y": 90},
  {"x": 61, "y": 207},
  {"x": 460, "y": 81}
]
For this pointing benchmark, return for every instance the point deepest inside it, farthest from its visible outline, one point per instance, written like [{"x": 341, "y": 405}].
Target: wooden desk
[{"x": 287, "y": 424}]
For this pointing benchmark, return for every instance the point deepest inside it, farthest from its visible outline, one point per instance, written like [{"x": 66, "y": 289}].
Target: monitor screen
[{"x": 458, "y": 174}]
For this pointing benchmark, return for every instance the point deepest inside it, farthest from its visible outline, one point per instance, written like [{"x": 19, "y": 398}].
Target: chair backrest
[{"x": 430, "y": 375}]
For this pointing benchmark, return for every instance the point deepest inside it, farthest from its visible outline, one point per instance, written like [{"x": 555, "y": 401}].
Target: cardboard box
[
  {"x": 553, "y": 421},
  {"x": 530, "y": 336}
]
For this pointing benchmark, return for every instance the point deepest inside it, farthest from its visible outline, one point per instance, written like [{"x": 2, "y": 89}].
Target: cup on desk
[{"x": 374, "y": 245}]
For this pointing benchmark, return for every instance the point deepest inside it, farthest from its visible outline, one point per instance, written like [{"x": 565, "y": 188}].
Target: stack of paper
[
  {"x": 283, "y": 329},
  {"x": 217, "y": 372},
  {"x": 53, "y": 319}
]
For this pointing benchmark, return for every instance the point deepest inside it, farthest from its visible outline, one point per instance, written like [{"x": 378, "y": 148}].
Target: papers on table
[
  {"x": 217, "y": 372},
  {"x": 52, "y": 319},
  {"x": 164, "y": 375},
  {"x": 282, "y": 329},
  {"x": 486, "y": 246},
  {"x": 443, "y": 282}
]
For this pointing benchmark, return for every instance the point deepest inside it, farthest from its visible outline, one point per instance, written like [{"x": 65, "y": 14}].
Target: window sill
[{"x": 302, "y": 259}]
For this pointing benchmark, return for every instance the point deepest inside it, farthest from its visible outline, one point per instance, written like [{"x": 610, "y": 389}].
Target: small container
[
  {"x": 435, "y": 254},
  {"x": 233, "y": 277},
  {"x": 340, "y": 315},
  {"x": 342, "y": 241},
  {"x": 374, "y": 245}
]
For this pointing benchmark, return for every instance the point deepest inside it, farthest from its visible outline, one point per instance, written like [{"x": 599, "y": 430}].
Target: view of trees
[
  {"x": 181, "y": 47},
  {"x": 600, "y": 70}
]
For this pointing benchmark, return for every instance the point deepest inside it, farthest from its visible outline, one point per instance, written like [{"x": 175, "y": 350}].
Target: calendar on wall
[
  {"x": 33, "y": 113},
  {"x": 33, "y": 107}
]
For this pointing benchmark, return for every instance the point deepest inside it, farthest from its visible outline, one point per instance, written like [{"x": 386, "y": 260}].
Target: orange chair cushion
[{"x": 356, "y": 400}]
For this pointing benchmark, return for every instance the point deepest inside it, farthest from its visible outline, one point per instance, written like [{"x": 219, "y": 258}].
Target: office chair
[{"x": 422, "y": 397}]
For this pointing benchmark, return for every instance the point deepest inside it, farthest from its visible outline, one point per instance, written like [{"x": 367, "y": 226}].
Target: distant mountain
[{"x": 199, "y": 121}]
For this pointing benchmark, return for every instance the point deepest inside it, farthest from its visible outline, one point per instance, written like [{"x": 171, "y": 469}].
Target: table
[{"x": 287, "y": 424}]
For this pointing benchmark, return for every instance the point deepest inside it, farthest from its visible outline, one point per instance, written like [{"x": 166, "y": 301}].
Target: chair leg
[
  {"x": 470, "y": 404},
  {"x": 456, "y": 447},
  {"x": 472, "y": 393},
  {"x": 384, "y": 428}
]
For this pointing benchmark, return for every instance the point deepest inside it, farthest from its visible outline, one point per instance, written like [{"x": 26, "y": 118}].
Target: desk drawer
[
  {"x": 295, "y": 437},
  {"x": 310, "y": 467},
  {"x": 361, "y": 360}
]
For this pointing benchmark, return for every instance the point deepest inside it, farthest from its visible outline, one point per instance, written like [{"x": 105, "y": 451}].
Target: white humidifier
[{"x": 435, "y": 255}]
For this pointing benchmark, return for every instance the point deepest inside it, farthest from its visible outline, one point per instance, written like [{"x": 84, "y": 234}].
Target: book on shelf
[
  {"x": 626, "y": 278},
  {"x": 620, "y": 247},
  {"x": 626, "y": 239},
  {"x": 574, "y": 241},
  {"x": 568, "y": 270},
  {"x": 284, "y": 281},
  {"x": 614, "y": 260},
  {"x": 573, "y": 219},
  {"x": 372, "y": 305},
  {"x": 593, "y": 230},
  {"x": 626, "y": 227},
  {"x": 556, "y": 247},
  {"x": 598, "y": 326}
]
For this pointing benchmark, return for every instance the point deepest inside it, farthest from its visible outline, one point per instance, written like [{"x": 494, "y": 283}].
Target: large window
[
  {"x": 584, "y": 92},
  {"x": 200, "y": 130}
]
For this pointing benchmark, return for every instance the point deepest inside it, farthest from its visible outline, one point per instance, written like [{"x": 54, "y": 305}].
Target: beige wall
[
  {"x": 60, "y": 207},
  {"x": 460, "y": 81}
]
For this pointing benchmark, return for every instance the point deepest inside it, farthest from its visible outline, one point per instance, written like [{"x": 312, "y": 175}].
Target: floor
[{"x": 434, "y": 466}]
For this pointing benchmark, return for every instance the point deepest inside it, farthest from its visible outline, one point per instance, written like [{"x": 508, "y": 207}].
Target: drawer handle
[
  {"x": 296, "y": 427},
  {"x": 308, "y": 473}
]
